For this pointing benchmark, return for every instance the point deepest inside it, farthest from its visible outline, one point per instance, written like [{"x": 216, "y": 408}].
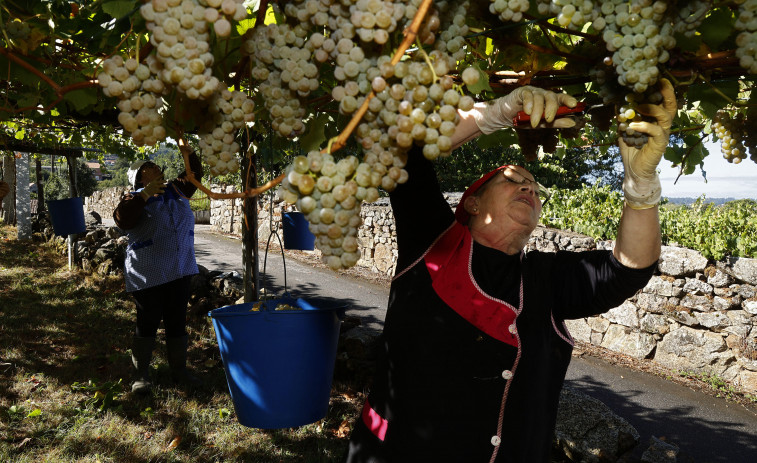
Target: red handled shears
[{"x": 523, "y": 118}]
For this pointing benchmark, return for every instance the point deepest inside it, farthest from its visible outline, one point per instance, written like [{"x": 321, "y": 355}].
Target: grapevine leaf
[
  {"x": 81, "y": 99},
  {"x": 694, "y": 153},
  {"x": 716, "y": 27},
  {"x": 314, "y": 137},
  {"x": 272, "y": 16},
  {"x": 28, "y": 100},
  {"x": 20, "y": 134},
  {"x": 483, "y": 81},
  {"x": 15, "y": 72},
  {"x": 119, "y": 8},
  {"x": 503, "y": 138},
  {"x": 245, "y": 25},
  {"x": 714, "y": 96},
  {"x": 690, "y": 44}
]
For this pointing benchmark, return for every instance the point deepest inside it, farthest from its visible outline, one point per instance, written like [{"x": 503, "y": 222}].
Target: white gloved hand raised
[
  {"x": 641, "y": 184},
  {"x": 497, "y": 114}
]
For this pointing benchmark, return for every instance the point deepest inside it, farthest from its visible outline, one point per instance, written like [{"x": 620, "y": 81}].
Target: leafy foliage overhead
[
  {"x": 342, "y": 90},
  {"x": 52, "y": 53}
]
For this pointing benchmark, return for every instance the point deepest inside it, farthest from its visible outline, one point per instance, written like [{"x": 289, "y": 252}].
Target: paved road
[{"x": 707, "y": 429}]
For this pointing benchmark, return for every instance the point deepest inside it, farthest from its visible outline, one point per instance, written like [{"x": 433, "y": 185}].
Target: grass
[
  {"x": 718, "y": 386},
  {"x": 65, "y": 373}
]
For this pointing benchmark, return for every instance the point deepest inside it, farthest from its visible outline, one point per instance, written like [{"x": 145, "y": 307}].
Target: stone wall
[
  {"x": 104, "y": 203},
  {"x": 694, "y": 315},
  {"x": 226, "y": 215}
]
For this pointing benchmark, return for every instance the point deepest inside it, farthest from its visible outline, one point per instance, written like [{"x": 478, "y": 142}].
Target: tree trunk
[{"x": 9, "y": 202}]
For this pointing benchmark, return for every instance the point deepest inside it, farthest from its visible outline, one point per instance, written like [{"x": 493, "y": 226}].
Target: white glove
[
  {"x": 497, "y": 114},
  {"x": 641, "y": 184}
]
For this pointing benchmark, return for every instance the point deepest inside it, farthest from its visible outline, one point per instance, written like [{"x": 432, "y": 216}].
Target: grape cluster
[
  {"x": 179, "y": 32},
  {"x": 135, "y": 88},
  {"x": 529, "y": 142},
  {"x": 17, "y": 30},
  {"x": 412, "y": 102},
  {"x": 181, "y": 61},
  {"x": 746, "y": 41},
  {"x": 412, "y": 106},
  {"x": 220, "y": 13},
  {"x": 328, "y": 193},
  {"x": 638, "y": 34},
  {"x": 627, "y": 113},
  {"x": 574, "y": 14},
  {"x": 729, "y": 130},
  {"x": 639, "y": 38},
  {"x": 228, "y": 112},
  {"x": 690, "y": 16},
  {"x": 375, "y": 20},
  {"x": 451, "y": 40},
  {"x": 512, "y": 10},
  {"x": 280, "y": 62}
]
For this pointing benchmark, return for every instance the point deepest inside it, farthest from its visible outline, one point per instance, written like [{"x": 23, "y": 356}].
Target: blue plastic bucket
[
  {"x": 297, "y": 232},
  {"x": 279, "y": 364},
  {"x": 67, "y": 216}
]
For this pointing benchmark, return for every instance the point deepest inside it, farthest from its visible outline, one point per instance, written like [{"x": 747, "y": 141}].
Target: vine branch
[{"x": 410, "y": 33}]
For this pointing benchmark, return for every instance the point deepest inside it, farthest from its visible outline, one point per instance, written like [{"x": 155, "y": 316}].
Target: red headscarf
[{"x": 461, "y": 214}]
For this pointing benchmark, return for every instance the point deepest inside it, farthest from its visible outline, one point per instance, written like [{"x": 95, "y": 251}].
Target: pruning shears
[{"x": 522, "y": 118}]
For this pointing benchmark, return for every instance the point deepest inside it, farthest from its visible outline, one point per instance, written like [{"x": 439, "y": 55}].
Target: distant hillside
[{"x": 690, "y": 201}]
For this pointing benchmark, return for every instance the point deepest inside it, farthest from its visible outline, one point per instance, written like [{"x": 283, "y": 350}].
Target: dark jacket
[{"x": 474, "y": 346}]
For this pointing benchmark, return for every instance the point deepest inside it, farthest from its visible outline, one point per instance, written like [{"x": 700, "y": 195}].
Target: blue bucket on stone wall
[
  {"x": 297, "y": 233},
  {"x": 67, "y": 216},
  {"x": 279, "y": 364}
]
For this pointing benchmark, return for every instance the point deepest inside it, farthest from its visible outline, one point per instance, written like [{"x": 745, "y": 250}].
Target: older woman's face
[{"x": 512, "y": 196}]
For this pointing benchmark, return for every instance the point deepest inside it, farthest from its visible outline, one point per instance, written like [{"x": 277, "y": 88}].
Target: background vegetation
[{"x": 717, "y": 231}]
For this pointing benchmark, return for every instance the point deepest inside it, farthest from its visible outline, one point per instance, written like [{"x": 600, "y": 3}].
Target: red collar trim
[{"x": 448, "y": 263}]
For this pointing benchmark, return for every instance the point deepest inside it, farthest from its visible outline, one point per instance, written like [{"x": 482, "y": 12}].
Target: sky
[{"x": 724, "y": 180}]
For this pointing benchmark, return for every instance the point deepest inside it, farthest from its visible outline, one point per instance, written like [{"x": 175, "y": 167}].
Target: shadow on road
[
  {"x": 700, "y": 440},
  {"x": 313, "y": 294},
  {"x": 211, "y": 262}
]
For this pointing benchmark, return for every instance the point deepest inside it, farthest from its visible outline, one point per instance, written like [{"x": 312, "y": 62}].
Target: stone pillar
[
  {"x": 23, "y": 198},
  {"x": 9, "y": 176}
]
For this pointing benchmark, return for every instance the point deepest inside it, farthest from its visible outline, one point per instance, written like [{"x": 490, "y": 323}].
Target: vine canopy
[{"x": 346, "y": 87}]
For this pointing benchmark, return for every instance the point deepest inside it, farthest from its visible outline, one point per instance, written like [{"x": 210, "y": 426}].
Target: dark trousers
[{"x": 167, "y": 302}]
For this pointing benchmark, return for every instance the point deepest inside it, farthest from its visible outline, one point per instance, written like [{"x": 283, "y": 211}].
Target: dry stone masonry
[
  {"x": 694, "y": 315},
  {"x": 104, "y": 202}
]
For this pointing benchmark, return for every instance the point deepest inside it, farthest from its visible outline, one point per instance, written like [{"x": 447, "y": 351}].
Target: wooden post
[{"x": 250, "y": 251}]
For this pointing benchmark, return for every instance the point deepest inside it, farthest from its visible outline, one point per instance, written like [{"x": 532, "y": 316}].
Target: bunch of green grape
[
  {"x": 413, "y": 102},
  {"x": 228, "y": 112},
  {"x": 139, "y": 98}
]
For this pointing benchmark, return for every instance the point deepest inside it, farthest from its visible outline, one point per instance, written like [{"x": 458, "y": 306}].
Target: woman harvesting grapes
[
  {"x": 474, "y": 345},
  {"x": 159, "y": 260}
]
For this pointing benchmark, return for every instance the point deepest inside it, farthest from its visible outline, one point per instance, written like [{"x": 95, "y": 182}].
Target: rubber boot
[
  {"x": 177, "y": 360},
  {"x": 141, "y": 354}
]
